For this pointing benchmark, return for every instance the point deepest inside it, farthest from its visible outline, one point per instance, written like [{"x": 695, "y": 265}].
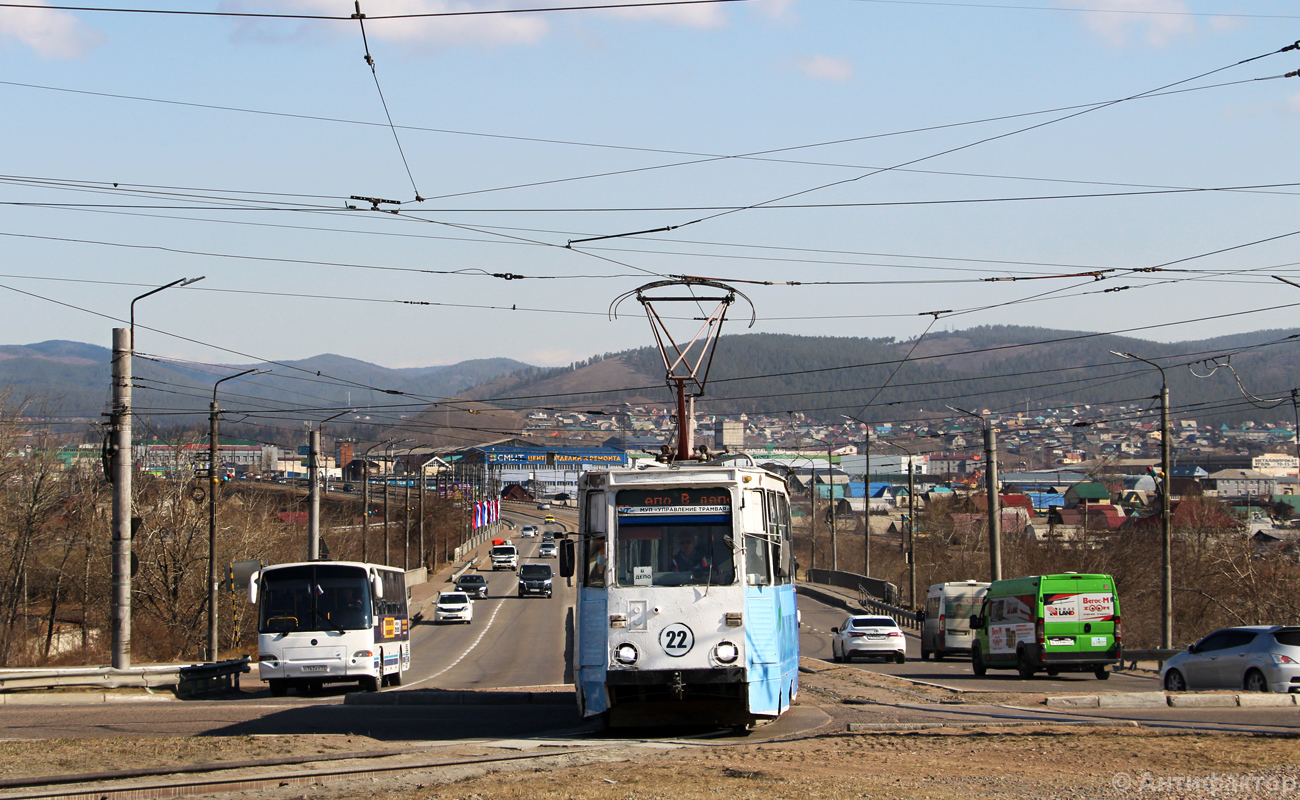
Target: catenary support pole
[
  {"x": 911, "y": 531},
  {"x": 830, "y": 480},
  {"x": 1166, "y": 532},
  {"x": 365, "y": 506},
  {"x": 121, "y": 450},
  {"x": 994, "y": 501},
  {"x": 214, "y": 484},
  {"x": 866, "y": 504},
  {"x": 313, "y": 492}
]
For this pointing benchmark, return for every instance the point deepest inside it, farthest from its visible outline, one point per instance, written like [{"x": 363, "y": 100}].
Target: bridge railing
[{"x": 873, "y": 593}]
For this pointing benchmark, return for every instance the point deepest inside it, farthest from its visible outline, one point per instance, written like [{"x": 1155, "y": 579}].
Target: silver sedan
[{"x": 1256, "y": 658}]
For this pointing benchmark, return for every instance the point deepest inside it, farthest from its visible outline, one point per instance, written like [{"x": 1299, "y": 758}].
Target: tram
[
  {"x": 686, "y": 606},
  {"x": 324, "y": 622}
]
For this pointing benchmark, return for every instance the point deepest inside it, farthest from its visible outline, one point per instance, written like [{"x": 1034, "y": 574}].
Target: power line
[{"x": 335, "y": 18}]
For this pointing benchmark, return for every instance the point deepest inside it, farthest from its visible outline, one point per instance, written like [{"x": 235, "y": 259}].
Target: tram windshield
[
  {"x": 314, "y": 597},
  {"x": 674, "y": 537}
]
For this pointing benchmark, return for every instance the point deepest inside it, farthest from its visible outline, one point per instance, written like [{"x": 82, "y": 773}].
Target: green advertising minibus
[{"x": 1048, "y": 623}]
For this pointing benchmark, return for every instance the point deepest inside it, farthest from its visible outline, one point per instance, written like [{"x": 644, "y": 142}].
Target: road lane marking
[{"x": 482, "y": 633}]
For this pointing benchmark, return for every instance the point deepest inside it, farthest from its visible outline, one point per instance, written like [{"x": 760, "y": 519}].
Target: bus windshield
[
  {"x": 674, "y": 537},
  {"x": 314, "y": 597}
]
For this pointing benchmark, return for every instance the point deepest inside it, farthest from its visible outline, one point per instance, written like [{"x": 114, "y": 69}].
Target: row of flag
[{"x": 486, "y": 512}]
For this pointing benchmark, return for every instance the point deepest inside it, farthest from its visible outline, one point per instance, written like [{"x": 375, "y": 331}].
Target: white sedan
[
  {"x": 868, "y": 637},
  {"x": 453, "y": 607},
  {"x": 528, "y": 531}
]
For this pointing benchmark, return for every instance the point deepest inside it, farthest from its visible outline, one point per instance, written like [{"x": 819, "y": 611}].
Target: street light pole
[
  {"x": 214, "y": 483},
  {"x": 911, "y": 522},
  {"x": 120, "y": 433},
  {"x": 1166, "y": 524},
  {"x": 991, "y": 492}
]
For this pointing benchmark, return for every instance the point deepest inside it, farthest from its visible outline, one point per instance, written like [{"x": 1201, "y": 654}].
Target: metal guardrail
[
  {"x": 902, "y": 616},
  {"x": 200, "y": 676},
  {"x": 201, "y": 680},
  {"x": 882, "y": 590}
]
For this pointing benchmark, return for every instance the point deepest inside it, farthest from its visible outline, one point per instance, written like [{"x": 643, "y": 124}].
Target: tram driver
[{"x": 685, "y": 559}]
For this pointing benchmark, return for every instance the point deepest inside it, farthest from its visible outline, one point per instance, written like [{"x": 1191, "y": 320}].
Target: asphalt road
[
  {"x": 512, "y": 641},
  {"x": 955, "y": 673}
]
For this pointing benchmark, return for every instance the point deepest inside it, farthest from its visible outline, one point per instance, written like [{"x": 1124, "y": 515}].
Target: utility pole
[
  {"x": 313, "y": 491},
  {"x": 121, "y": 476},
  {"x": 830, "y": 480},
  {"x": 120, "y": 602},
  {"x": 911, "y": 531},
  {"x": 422, "y": 559},
  {"x": 214, "y": 487},
  {"x": 866, "y": 504},
  {"x": 1166, "y": 524},
  {"x": 994, "y": 504},
  {"x": 406, "y": 515},
  {"x": 387, "y": 477},
  {"x": 365, "y": 505}
]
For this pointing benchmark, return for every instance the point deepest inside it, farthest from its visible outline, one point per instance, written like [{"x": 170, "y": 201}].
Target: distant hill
[
  {"x": 73, "y": 379},
  {"x": 989, "y": 366}
]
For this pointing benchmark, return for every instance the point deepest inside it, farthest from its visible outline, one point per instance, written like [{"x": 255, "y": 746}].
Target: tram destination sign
[{"x": 673, "y": 501}]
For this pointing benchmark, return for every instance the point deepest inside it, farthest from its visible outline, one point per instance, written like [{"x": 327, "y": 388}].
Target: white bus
[
  {"x": 686, "y": 606},
  {"x": 324, "y": 622}
]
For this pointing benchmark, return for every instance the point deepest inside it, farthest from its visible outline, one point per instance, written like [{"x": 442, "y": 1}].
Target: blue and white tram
[
  {"x": 686, "y": 605},
  {"x": 331, "y": 621}
]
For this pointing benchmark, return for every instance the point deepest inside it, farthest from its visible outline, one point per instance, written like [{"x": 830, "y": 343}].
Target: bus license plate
[{"x": 315, "y": 668}]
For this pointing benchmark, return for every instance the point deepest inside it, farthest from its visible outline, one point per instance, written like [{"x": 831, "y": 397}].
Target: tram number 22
[{"x": 676, "y": 640}]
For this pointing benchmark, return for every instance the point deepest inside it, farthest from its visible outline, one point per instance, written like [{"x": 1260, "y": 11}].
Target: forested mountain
[{"x": 995, "y": 367}]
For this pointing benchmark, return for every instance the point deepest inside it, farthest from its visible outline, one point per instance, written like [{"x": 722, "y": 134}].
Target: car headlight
[
  {"x": 725, "y": 653},
  {"x": 626, "y": 654}
]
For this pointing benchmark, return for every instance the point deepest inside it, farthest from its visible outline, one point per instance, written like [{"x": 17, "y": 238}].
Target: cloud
[
  {"x": 413, "y": 34},
  {"x": 1156, "y": 21},
  {"x": 825, "y": 68},
  {"x": 52, "y": 34},
  {"x": 691, "y": 15}
]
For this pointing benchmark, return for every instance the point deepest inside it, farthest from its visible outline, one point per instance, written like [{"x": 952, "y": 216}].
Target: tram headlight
[
  {"x": 725, "y": 653},
  {"x": 626, "y": 654}
]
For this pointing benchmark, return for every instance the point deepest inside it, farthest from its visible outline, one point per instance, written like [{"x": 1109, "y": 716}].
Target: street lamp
[
  {"x": 389, "y": 461},
  {"x": 1166, "y": 527},
  {"x": 120, "y": 567},
  {"x": 911, "y": 522},
  {"x": 866, "y": 495},
  {"x": 365, "y": 498},
  {"x": 214, "y": 482},
  {"x": 991, "y": 490}
]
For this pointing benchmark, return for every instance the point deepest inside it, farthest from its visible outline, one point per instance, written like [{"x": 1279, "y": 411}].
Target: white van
[{"x": 948, "y": 608}]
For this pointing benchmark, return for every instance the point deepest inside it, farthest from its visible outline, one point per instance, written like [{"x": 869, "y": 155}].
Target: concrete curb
[
  {"x": 80, "y": 698},
  {"x": 886, "y": 727},
  {"x": 423, "y": 698},
  {"x": 1180, "y": 700}
]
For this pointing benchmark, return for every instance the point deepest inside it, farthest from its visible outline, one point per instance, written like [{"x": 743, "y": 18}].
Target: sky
[{"x": 891, "y": 157}]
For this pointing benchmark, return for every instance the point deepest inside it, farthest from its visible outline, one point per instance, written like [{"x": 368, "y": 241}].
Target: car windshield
[
  {"x": 874, "y": 622},
  {"x": 468, "y": 579},
  {"x": 453, "y": 598},
  {"x": 535, "y": 571}
]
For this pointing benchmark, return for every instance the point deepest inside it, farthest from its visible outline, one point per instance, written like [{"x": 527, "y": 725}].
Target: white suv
[{"x": 453, "y": 607}]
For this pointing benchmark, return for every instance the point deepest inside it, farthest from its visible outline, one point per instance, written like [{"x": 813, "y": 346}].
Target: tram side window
[
  {"x": 591, "y": 538},
  {"x": 757, "y": 549},
  {"x": 596, "y": 562},
  {"x": 778, "y": 528}
]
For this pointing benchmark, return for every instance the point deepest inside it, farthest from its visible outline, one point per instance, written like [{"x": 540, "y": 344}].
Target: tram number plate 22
[{"x": 676, "y": 640}]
